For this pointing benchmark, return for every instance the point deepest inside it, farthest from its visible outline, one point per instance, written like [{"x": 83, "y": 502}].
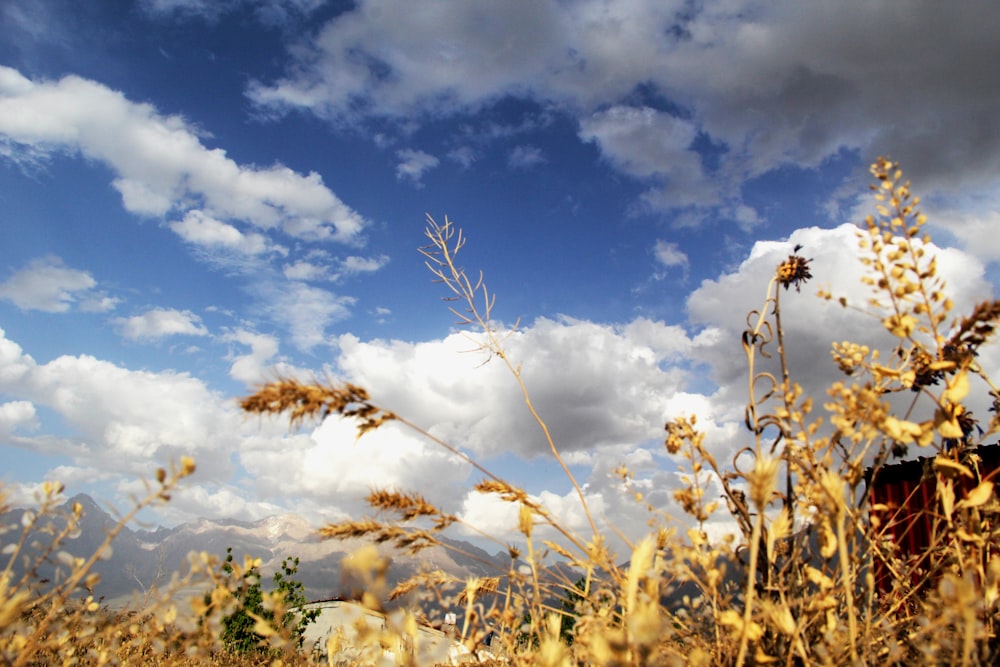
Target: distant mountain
[{"x": 142, "y": 559}]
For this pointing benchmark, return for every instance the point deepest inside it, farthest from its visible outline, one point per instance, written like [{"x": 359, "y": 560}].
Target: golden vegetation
[{"x": 815, "y": 573}]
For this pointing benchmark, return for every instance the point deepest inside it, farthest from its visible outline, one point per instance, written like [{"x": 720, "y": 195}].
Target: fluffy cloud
[
  {"x": 47, "y": 284},
  {"x": 604, "y": 391},
  {"x": 353, "y": 264},
  {"x": 654, "y": 145},
  {"x": 595, "y": 385},
  {"x": 765, "y": 84},
  {"x": 160, "y": 323},
  {"x": 123, "y": 421},
  {"x": 161, "y": 164},
  {"x": 413, "y": 164},
  {"x": 304, "y": 271},
  {"x": 206, "y": 232},
  {"x": 670, "y": 255},
  {"x": 17, "y": 415},
  {"x": 332, "y": 467},
  {"x": 811, "y": 324},
  {"x": 262, "y": 363}
]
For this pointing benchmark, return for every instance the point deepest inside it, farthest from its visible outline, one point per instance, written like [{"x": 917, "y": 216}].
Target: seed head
[{"x": 794, "y": 271}]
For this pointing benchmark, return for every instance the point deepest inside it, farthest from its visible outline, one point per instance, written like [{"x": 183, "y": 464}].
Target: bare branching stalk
[
  {"x": 446, "y": 241},
  {"x": 819, "y": 572}
]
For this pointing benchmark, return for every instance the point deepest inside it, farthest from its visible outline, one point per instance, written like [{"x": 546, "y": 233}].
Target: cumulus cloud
[
  {"x": 604, "y": 390},
  {"x": 206, "y": 232},
  {"x": 974, "y": 227},
  {"x": 305, "y": 271},
  {"x": 811, "y": 324},
  {"x": 611, "y": 501},
  {"x": 669, "y": 255},
  {"x": 162, "y": 166},
  {"x": 597, "y": 385},
  {"x": 413, "y": 164},
  {"x": 48, "y": 285},
  {"x": 262, "y": 363},
  {"x": 17, "y": 415},
  {"x": 333, "y": 466},
  {"x": 159, "y": 323},
  {"x": 122, "y": 424},
  {"x": 353, "y": 265},
  {"x": 654, "y": 145},
  {"x": 120, "y": 420},
  {"x": 766, "y": 84}
]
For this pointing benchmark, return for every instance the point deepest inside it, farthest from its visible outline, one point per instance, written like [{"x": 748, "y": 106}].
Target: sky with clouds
[{"x": 201, "y": 195}]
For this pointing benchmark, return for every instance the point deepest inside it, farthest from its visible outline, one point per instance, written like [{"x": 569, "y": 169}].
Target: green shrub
[{"x": 239, "y": 632}]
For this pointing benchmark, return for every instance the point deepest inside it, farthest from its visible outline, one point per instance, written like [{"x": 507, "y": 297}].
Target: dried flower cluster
[
  {"x": 302, "y": 401},
  {"x": 794, "y": 271},
  {"x": 821, "y": 569}
]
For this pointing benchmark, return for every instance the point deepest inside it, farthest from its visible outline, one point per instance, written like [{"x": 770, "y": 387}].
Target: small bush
[{"x": 239, "y": 628}]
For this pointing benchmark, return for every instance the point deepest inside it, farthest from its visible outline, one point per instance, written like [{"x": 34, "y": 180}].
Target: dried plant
[{"x": 821, "y": 568}]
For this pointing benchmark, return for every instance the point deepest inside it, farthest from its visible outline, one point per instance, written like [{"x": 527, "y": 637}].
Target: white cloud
[
  {"x": 123, "y": 421},
  {"x": 305, "y": 271},
  {"x": 262, "y": 364},
  {"x": 975, "y": 226},
  {"x": 766, "y": 84},
  {"x": 203, "y": 230},
  {"x": 670, "y": 255},
  {"x": 604, "y": 390},
  {"x": 159, "y": 323},
  {"x": 596, "y": 385},
  {"x": 811, "y": 324},
  {"x": 525, "y": 157},
  {"x": 354, "y": 265},
  {"x": 653, "y": 145},
  {"x": 413, "y": 164},
  {"x": 17, "y": 415},
  {"x": 223, "y": 501},
  {"x": 161, "y": 164},
  {"x": 305, "y": 311},
  {"x": 332, "y": 466},
  {"x": 48, "y": 285}
]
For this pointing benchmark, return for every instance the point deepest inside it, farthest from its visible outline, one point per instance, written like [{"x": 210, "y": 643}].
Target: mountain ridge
[{"x": 142, "y": 559}]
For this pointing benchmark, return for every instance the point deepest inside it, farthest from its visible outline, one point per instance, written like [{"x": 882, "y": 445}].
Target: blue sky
[{"x": 198, "y": 195}]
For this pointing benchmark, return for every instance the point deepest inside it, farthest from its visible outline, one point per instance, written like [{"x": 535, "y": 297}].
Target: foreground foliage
[
  {"x": 239, "y": 632},
  {"x": 814, "y": 574},
  {"x": 58, "y": 621}
]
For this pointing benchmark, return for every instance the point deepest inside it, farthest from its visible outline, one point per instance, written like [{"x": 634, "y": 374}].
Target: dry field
[{"x": 820, "y": 572}]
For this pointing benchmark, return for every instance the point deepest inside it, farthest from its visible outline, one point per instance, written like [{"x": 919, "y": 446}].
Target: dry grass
[{"x": 813, "y": 576}]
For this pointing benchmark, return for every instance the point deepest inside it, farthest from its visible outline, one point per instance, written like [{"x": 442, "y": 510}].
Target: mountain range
[{"x": 143, "y": 559}]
